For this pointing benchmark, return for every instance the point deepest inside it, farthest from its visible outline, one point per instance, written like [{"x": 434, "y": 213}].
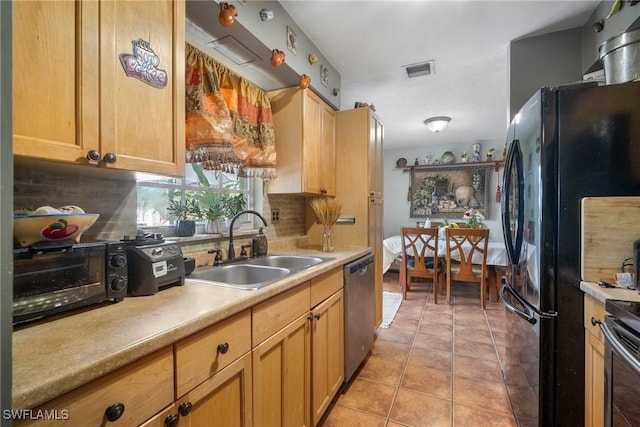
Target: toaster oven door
[{"x": 54, "y": 282}]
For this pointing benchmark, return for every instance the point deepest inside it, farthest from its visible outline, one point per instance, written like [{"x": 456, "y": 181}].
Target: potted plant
[
  {"x": 185, "y": 212},
  {"x": 233, "y": 204},
  {"x": 213, "y": 211}
]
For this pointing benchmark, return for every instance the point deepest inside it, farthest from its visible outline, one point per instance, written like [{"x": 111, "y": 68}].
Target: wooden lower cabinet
[
  {"x": 224, "y": 400},
  {"x": 168, "y": 417},
  {"x": 327, "y": 353},
  {"x": 131, "y": 395},
  {"x": 298, "y": 370},
  {"x": 281, "y": 379},
  {"x": 594, "y": 363}
]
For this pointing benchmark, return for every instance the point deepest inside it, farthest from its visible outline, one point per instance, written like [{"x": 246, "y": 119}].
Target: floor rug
[{"x": 390, "y": 305}]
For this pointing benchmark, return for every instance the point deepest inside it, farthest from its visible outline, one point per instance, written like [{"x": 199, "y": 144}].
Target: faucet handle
[
  {"x": 218, "y": 258},
  {"x": 243, "y": 249}
]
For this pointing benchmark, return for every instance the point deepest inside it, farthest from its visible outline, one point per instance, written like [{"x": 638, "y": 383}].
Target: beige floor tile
[
  {"x": 428, "y": 358},
  {"x": 418, "y": 410},
  {"x": 382, "y": 370},
  {"x": 368, "y": 396},
  {"x": 341, "y": 417},
  {"x": 479, "y": 369},
  {"x": 392, "y": 351},
  {"x": 438, "y": 365},
  {"x": 427, "y": 380},
  {"x": 466, "y": 416},
  {"x": 491, "y": 396}
]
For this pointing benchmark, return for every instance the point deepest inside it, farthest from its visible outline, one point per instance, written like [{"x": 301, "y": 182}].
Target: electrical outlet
[{"x": 275, "y": 215}]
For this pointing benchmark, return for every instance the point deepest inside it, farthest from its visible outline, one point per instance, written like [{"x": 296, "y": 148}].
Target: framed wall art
[
  {"x": 292, "y": 40},
  {"x": 324, "y": 75},
  {"x": 449, "y": 190}
]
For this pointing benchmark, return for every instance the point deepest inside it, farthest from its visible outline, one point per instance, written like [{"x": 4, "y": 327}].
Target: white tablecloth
[{"x": 392, "y": 247}]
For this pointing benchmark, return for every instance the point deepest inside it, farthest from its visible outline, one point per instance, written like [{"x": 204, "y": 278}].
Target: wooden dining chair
[
  {"x": 466, "y": 254},
  {"x": 420, "y": 259}
]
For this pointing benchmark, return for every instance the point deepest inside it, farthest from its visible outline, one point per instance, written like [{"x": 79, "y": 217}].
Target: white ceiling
[{"x": 368, "y": 42}]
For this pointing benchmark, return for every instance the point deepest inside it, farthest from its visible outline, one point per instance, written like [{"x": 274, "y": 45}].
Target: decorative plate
[{"x": 401, "y": 162}]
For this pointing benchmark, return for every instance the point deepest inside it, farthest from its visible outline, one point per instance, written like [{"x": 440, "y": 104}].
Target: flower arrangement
[{"x": 473, "y": 218}]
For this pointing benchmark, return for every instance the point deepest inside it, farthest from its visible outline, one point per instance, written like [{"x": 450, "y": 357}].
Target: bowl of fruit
[{"x": 50, "y": 224}]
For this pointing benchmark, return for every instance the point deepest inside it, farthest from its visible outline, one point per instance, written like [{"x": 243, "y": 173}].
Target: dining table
[{"x": 496, "y": 259}]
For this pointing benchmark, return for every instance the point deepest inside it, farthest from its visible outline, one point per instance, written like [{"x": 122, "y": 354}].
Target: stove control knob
[
  {"x": 118, "y": 284},
  {"x": 156, "y": 252},
  {"x": 118, "y": 261}
]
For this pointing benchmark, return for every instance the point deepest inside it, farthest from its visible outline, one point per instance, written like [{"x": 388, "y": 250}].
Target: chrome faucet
[{"x": 231, "y": 253}]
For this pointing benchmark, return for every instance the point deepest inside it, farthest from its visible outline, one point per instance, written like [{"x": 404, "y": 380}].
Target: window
[{"x": 154, "y": 194}]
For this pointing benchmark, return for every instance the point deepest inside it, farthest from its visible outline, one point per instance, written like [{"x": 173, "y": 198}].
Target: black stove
[{"x": 627, "y": 312}]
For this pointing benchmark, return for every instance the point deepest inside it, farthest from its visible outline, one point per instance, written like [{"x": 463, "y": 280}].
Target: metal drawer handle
[{"x": 223, "y": 348}]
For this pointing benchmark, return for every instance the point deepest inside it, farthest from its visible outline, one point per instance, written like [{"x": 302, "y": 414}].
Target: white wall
[{"x": 396, "y": 185}]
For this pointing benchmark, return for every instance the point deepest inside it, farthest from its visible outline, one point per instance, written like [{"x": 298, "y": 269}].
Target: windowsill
[{"x": 212, "y": 237}]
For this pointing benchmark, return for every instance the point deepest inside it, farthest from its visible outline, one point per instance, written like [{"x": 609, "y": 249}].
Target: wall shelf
[{"x": 497, "y": 164}]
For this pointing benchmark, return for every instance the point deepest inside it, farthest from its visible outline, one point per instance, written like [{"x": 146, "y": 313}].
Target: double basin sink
[{"x": 255, "y": 273}]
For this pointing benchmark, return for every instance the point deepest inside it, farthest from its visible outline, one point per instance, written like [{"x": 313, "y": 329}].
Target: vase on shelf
[{"x": 327, "y": 240}]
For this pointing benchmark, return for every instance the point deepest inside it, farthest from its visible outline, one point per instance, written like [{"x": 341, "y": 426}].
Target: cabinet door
[
  {"x": 312, "y": 144},
  {"x": 328, "y": 151},
  {"x": 281, "y": 380},
  {"x": 376, "y": 213},
  {"x": 594, "y": 381},
  {"x": 223, "y": 400},
  {"x": 142, "y": 124},
  {"x": 594, "y": 362},
  {"x": 376, "y": 167},
  {"x": 55, "y": 79},
  {"x": 327, "y": 353}
]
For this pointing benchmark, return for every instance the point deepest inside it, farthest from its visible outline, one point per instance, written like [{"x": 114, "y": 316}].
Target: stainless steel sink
[
  {"x": 292, "y": 262},
  {"x": 255, "y": 273},
  {"x": 241, "y": 276}
]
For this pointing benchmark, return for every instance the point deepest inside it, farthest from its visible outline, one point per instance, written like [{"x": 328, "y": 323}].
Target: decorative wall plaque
[{"x": 143, "y": 65}]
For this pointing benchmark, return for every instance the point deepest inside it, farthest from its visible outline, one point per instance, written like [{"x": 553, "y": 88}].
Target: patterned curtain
[{"x": 229, "y": 125}]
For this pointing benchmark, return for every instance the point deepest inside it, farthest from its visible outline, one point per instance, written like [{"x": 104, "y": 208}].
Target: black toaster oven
[{"x": 53, "y": 277}]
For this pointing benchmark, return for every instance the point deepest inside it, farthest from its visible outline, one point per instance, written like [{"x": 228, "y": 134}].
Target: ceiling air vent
[
  {"x": 234, "y": 50},
  {"x": 420, "y": 69}
]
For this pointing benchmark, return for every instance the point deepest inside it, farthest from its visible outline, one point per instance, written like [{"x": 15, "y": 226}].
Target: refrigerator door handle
[
  {"x": 513, "y": 171},
  {"x": 512, "y": 308}
]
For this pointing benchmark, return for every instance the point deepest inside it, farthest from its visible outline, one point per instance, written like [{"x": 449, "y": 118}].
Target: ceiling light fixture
[{"x": 437, "y": 124}]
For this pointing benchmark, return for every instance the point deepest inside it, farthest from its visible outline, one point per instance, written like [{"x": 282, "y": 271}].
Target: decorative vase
[
  {"x": 213, "y": 226},
  {"x": 327, "y": 240},
  {"x": 185, "y": 227}
]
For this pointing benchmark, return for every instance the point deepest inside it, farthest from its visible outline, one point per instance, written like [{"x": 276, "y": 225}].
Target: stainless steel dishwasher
[{"x": 359, "y": 312}]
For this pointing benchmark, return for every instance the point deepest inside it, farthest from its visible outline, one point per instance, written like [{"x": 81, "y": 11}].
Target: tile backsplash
[
  {"x": 113, "y": 196},
  {"x": 113, "y": 199}
]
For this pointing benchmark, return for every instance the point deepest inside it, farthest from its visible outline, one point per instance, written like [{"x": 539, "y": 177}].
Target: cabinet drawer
[
  {"x": 322, "y": 287},
  {"x": 198, "y": 357},
  {"x": 596, "y": 309},
  {"x": 144, "y": 387},
  {"x": 277, "y": 312}
]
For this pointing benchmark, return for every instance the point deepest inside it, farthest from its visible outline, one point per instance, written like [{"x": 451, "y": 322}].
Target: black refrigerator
[{"x": 565, "y": 143}]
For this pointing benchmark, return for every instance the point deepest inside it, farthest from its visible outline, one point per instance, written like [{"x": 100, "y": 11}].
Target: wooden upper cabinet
[
  {"x": 55, "y": 79},
  {"x": 305, "y": 143},
  {"x": 376, "y": 167},
  {"x": 72, "y": 95}
]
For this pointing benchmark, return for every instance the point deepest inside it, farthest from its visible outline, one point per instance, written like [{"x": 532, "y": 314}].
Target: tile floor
[{"x": 436, "y": 366}]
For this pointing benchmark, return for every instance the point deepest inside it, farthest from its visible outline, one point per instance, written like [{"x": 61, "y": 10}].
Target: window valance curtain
[{"x": 229, "y": 125}]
